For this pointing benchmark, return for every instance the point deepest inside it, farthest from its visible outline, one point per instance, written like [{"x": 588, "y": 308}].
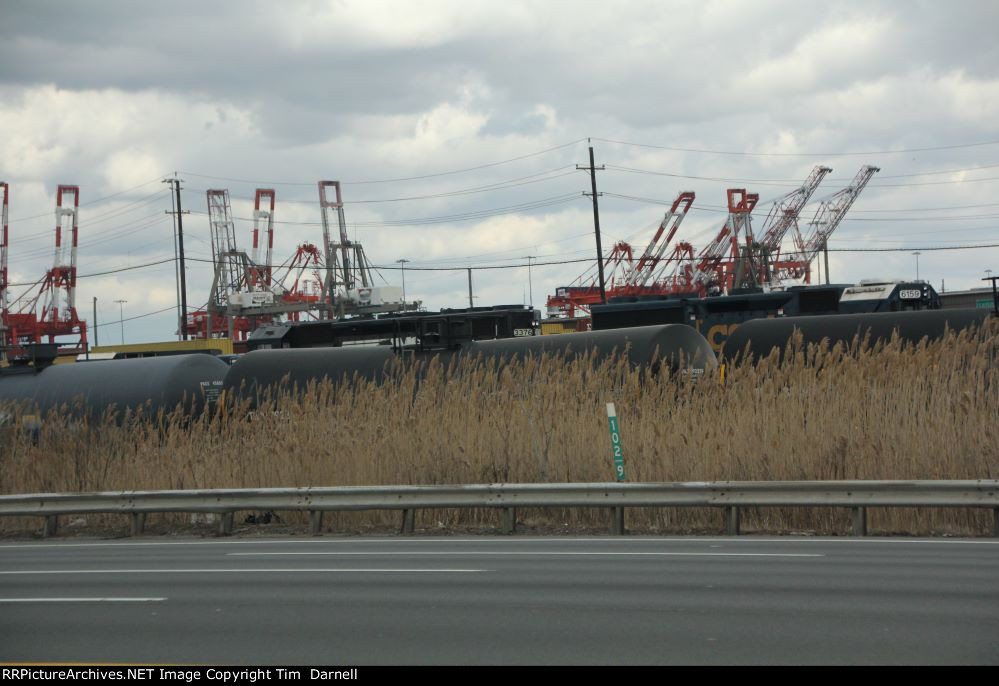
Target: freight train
[
  {"x": 122, "y": 387},
  {"x": 194, "y": 382},
  {"x": 718, "y": 317},
  {"x": 757, "y": 338}
]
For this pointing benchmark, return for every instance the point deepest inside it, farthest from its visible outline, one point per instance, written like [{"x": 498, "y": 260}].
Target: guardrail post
[
  {"x": 315, "y": 522},
  {"x": 617, "y": 525},
  {"x": 225, "y": 523},
  {"x": 51, "y": 526},
  {"x": 407, "y": 521},
  {"x": 138, "y": 523},
  {"x": 995, "y": 522},
  {"x": 732, "y": 520},
  {"x": 860, "y": 521},
  {"x": 509, "y": 520}
]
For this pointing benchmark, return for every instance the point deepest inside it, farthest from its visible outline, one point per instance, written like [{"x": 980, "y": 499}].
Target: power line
[
  {"x": 91, "y": 202},
  {"x": 416, "y": 221},
  {"x": 499, "y": 185},
  {"x": 138, "y": 316},
  {"x": 721, "y": 210},
  {"x": 476, "y": 214},
  {"x": 519, "y": 265},
  {"x": 87, "y": 223},
  {"x": 928, "y": 209},
  {"x": 464, "y": 258},
  {"x": 796, "y": 154},
  {"x": 105, "y": 235},
  {"x": 907, "y": 249},
  {"x": 790, "y": 183},
  {"x": 590, "y": 260},
  {"x": 395, "y": 180},
  {"x": 110, "y": 271}
]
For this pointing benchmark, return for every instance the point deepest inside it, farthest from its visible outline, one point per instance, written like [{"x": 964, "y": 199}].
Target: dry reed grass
[{"x": 900, "y": 411}]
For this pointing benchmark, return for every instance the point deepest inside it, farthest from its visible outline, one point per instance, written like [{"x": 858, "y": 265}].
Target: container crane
[
  {"x": 300, "y": 280},
  {"x": 56, "y": 291},
  {"x": 575, "y": 299},
  {"x": 348, "y": 284},
  {"x": 646, "y": 275},
  {"x": 229, "y": 278},
  {"x": 782, "y": 218},
  {"x": 59, "y": 316},
  {"x": 828, "y": 216},
  {"x": 714, "y": 269},
  {"x": 623, "y": 275},
  {"x": 244, "y": 291}
]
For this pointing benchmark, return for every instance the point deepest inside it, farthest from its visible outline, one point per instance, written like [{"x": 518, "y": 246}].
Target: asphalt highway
[{"x": 501, "y": 600}]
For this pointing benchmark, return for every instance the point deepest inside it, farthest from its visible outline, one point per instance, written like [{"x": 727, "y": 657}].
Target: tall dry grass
[{"x": 899, "y": 411}]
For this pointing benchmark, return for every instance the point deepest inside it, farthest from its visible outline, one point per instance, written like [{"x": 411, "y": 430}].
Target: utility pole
[
  {"x": 403, "y": 263},
  {"x": 825, "y": 250},
  {"x": 596, "y": 221},
  {"x": 917, "y": 254},
  {"x": 470, "y": 288},
  {"x": 176, "y": 259},
  {"x": 179, "y": 214},
  {"x": 121, "y": 318},
  {"x": 530, "y": 284},
  {"x": 95, "y": 322}
]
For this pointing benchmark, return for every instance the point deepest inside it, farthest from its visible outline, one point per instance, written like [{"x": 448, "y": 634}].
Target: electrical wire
[
  {"x": 499, "y": 185},
  {"x": 707, "y": 208},
  {"x": 110, "y": 271},
  {"x": 86, "y": 225},
  {"x": 797, "y": 154},
  {"x": 106, "y": 235},
  {"x": 92, "y": 202},
  {"x": 395, "y": 180},
  {"x": 792, "y": 184},
  {"x": 520, "y": 265},
  {"x": 417, "y": 221},
  {"x": 465, "y": 258},
  {"x": 117, "y": 322}
]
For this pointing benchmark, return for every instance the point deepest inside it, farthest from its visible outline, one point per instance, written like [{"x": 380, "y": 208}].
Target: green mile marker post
[{"x": 615, "y": 434}]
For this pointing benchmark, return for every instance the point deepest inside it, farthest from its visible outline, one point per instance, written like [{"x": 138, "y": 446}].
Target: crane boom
[
  {"x": 224, "y": 250},
  {"x": 784, "y": 213},
  {"x": 828, "y": 216},
  {"x": 715, "y": 263},
  {"x": 648, "y": 269},
  {"x": 831, "y": 212}
]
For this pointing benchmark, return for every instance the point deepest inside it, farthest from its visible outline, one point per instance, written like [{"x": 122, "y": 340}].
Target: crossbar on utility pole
[{"x": 596, "y": 221}]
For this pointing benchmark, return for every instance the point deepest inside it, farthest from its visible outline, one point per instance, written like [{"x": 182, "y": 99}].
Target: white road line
[
  {"x": 242, "y": 571},
  {"x": 871, "y": 540},
  {"x": 82, "y": 600},
  {"x": 534, "y": 553}
]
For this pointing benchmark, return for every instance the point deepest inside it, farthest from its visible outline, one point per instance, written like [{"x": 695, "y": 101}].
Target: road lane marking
[
  {"x": 242, "y": 571},
  {"x": 536, "y": 553},
  {"x": 82, "y": 600},
  {"x": 871, "y": 540}
]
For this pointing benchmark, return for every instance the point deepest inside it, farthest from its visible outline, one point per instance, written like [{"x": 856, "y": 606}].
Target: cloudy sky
[{"x": 456, "y": 128}]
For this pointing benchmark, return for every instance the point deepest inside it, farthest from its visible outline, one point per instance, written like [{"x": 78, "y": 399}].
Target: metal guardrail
[{"x": 730, "y": 495}]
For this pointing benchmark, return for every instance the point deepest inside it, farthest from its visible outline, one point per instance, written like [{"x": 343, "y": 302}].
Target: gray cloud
[{"x": 112, "y": 95}]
